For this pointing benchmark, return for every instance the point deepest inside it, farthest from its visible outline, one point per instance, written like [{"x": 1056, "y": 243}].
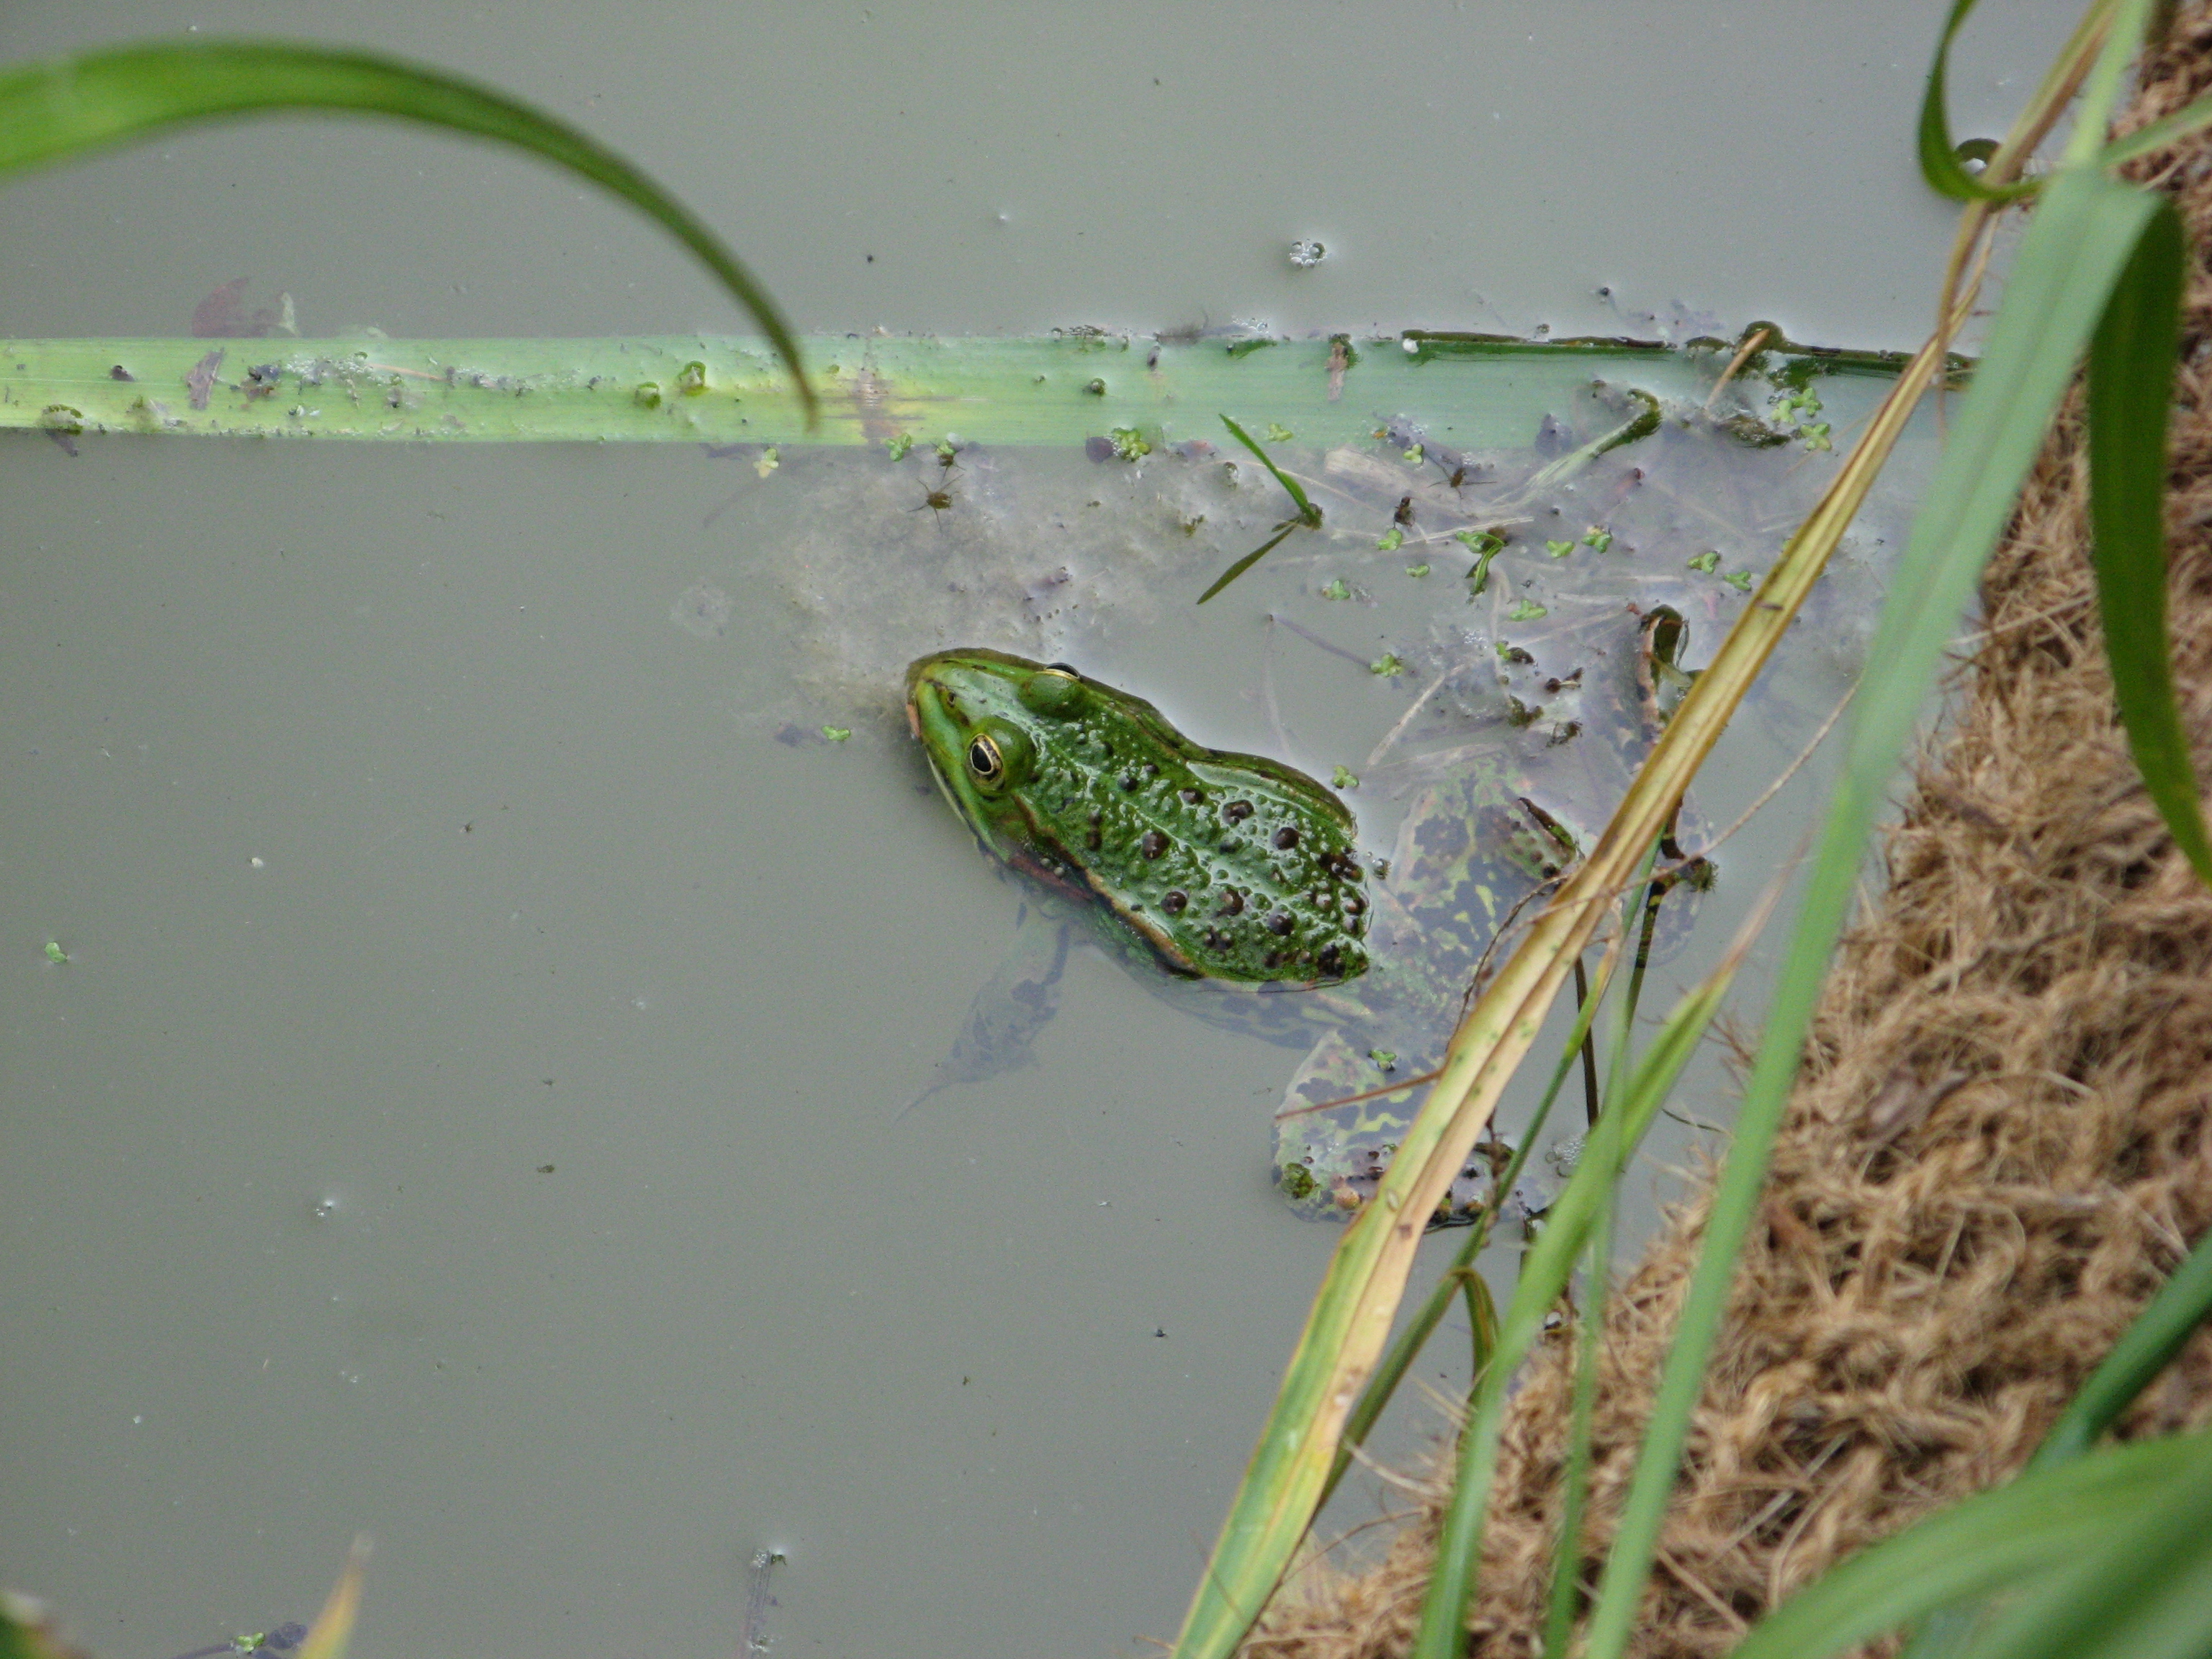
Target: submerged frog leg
[{"x": 1016, "y": 1002}]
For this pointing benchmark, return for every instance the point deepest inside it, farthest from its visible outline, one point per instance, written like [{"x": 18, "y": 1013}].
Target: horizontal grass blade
[
  {"x": 1989, "y": 1542},
  {"x": 2131, "y": 363},
  {"x": 68, "y": 106},
  {"x": 2082, "y": 235},
  {"x": 722, "y": 389}
]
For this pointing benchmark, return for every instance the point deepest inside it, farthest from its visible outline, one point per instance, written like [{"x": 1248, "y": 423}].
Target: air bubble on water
[
  {"x": 704, "y": 609},
  {"x": 324, "y": 1208},
  {"x": 1306, "y": 253},
  {"x": 640, "y": 1002},
  {"x": 257, "y": 863}
]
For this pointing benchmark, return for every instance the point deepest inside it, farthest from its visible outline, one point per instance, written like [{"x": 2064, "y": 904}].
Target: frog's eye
[
  {"x": 999, "y": 757},
  {"x": 1054, "y": 691}
]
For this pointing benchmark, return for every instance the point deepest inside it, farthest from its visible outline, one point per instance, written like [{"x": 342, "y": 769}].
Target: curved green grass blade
[
  {"x": 1940, "y": 162},
  {"x": 2131, "y": 363},
  {"x": 66, "y": 106},
  {"x": 2082, "y": 234},
  {"x": 1992, "y": 1541}
]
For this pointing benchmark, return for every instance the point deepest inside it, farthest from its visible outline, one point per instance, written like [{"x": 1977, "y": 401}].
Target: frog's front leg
[
  {"x": 1331, "y": 1150},
  {"x": 1018, "y": 1002}
]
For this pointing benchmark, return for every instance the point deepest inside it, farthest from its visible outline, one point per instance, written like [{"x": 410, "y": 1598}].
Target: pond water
[{"x": 468, "y": 1112}]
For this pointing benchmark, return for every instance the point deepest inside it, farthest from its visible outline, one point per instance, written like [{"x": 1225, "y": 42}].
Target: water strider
[{"x": 1235, "y": 881}]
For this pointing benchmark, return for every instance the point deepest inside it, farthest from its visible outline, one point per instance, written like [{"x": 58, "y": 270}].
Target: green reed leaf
[
  {"x": 2131, "y": 363},
  {"x": 2082, "y": 236},
  {"x": 1992, "y": 1541}
]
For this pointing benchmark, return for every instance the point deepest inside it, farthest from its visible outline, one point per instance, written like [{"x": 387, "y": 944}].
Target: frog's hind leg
[
  {"x": 1339, "y": 1127},
  {"x": 1019, "y": 1001}
]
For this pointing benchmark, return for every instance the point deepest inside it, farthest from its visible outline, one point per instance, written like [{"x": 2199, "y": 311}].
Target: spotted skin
[{"x": 1219, "y": 865}]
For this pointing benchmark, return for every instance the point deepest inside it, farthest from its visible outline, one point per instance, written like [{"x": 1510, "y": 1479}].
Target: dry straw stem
[
  {"x": 1352, "y": 1312},
  {"x": 1998, "y": 1147}
]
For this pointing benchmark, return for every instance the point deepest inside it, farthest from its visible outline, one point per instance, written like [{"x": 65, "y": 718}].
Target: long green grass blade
[
  {"x": 2182, "y": 1303},
  {"x": 1971, "y": 1549},
  {"x": 67, "y": 107},
  {"x": 2080, "y": 237},
  {"x": 1544, "y": 1274},
  {"x": 2141, "y": 1588},
  {"x": 2131, "y": 363},
  {"x": 1574, "y": 1502}
]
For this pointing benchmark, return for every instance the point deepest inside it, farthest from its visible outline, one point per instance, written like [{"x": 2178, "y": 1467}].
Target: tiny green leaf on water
[
  {"x": 897, "y": 447},
  {"x": 1598, "y": 539},
  {"x": 1708, "y": 561},
  {"x": 1480, "y": 541},
  {"x": 770, "y": 458},
  {"x": 1387, "y": 664},
  {"x": 693, "y": 379},
  {"x": 1279, "y": 434},
  {"x": 1416, "y": 570},
  {"x": 1816, "y": 437},
  {"x": 1390, "y": 540},
  {"x": 1335, "y": 590},
  {"x": 1344, "y": 778},
  {"x": 647, "y": 394},
  {"x": 1559, "y": 549},
  {"x": 947, "y": 452},
  {"x": 1739, "y": 580},
  {"x": 836, "y": 734},
  {"x": 1129, "y": 443},
  {"x": 1414, "y": 455},
  {"x": 55, "y": 953},
  {"x": 1527, "y": 610},
  {"x": 1385, "y": 1058}
]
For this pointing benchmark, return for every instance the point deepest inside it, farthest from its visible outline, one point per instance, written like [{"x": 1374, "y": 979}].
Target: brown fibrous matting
[{"x": 1994, "y": 1152}]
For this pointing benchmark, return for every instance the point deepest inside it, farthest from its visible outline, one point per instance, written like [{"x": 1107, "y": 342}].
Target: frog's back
[{"x": 1220, "y": 865}]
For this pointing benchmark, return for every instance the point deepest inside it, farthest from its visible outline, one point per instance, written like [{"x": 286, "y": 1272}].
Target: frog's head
[{"x": 980, "y": 717}]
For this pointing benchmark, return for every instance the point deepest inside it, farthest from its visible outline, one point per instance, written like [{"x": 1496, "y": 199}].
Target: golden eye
[{"x": 984, "y": 759}]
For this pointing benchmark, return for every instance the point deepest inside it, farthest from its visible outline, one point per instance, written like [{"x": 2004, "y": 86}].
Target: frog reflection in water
[{"x": 1236, "y": 878}]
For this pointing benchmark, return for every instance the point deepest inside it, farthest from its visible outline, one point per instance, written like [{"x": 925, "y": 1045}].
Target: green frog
[{"x": 1239, "y": 880}]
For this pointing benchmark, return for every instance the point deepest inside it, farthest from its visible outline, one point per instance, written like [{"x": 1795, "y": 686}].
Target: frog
[{"x": 1237, "y": 885}]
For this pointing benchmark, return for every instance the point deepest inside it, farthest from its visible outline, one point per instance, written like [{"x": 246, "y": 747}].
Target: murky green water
[{"x": 467, "y": 1112}]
